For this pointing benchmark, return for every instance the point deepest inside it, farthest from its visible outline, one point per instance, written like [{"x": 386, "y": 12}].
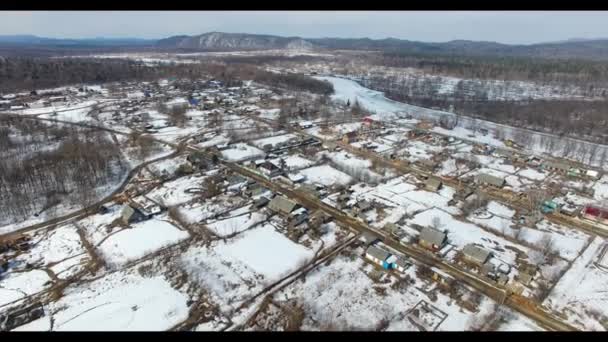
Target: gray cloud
[{"x": 435, "y": 26}]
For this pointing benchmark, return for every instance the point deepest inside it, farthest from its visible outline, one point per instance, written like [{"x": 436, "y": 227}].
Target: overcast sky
[{"x": 434, "y": 26}]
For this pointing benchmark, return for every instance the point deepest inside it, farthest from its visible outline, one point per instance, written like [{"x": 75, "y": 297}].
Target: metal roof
[
  {"x": 282, "y": 204},
  {"x": 433, "y": 183},
  {"x": 557, "y": 165},
  {"x": 378, "y": 253},
  {"x": 476, "y": 253},
  {"x": 432, "y": 236},
  {"x": 493, "y": 180}
]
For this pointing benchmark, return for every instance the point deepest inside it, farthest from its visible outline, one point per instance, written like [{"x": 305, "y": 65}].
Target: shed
[
  {"x": 390, "y": 227},
  {"x": 486, "y": 179},
  {"x": 401, "y": 265},
  {"x": 282, "y": 205},
  {"x": 433, "y": 184},
  {"x": 475, "y": 254},
  {"x": 369, "y": 238},
  {"x": 260, "y": 202},
  {"x": 525, "y": 278},
  {"x": 432, "y": 239}
]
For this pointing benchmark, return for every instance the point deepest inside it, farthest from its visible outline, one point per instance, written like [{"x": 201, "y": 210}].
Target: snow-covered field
[
  {"x": 120, "y": 301},
  {"x": 141, "y": 239},
  {"x": 581, "y": 292},
  {"x": 326, "y": 175},
  {"x": 17, "y": 285},
  {"x": 266, "y": 252}
]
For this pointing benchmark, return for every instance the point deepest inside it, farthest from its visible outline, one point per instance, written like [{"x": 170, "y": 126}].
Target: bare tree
[{"x": 436, "y": 223}]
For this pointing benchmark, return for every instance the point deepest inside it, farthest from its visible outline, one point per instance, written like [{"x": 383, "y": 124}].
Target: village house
[
  {"x": 350, "y": 137},
  {"x": 432, "y": 239},
  {"x": 282, "y": 205},
  {"x": 486, "y": 179},
  {"x": 427, "y": 164},
  {"x": 269, "y": 169},
  {"x": 130, "y": 215},
  {"x": 475, "y": 255},
  {"x": 596, "y": 214},
  {"x": 362, "y": 207},
  {"x": 432, "y": 185},
  {"x": 380, "y": 257},
  {"x": 559, "y": 167}
]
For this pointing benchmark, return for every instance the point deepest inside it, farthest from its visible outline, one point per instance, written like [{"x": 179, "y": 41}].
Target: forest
[{"x": 43, "y": 165}]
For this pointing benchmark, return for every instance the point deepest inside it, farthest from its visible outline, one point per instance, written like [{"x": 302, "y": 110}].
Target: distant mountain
[
  {"x": 229, "y": 41},
  {"x": 596, "y": 49},
  {"x": 29, "y": 40}
]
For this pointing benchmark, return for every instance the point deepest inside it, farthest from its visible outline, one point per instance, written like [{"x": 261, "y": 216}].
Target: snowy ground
[
  {"x": 274, "y": 140},
  {"x": 141, "y": 239},
  {"x": 17, "y": 285},
  {"x": 242, "y": 152},
  {"x": 121, "y": 301},
  {"x": 238, "y": 221},
  {"x": 325, "y": 175},
  {"x": 581, "y": 292},
  {"x": 343, "y": 294}
]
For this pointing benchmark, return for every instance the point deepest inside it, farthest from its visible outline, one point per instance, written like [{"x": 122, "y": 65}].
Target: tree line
[
  {"x": 544, "y": 71},
  {"x": 568, "y": 116},
  {"x": 18, "y": 74}
]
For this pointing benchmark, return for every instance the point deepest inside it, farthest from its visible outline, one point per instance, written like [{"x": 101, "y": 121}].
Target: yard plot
[
  {"x": 274, "y": 141},
  {"x": 343, "y": 296},
  {"x": 295, "y": 161},
  {"x": 142, "y": 239},
  {"x": 269, "y": 113},
  {"x": 241, "y": 152},
  {"x": 326, "y": 175},
  {"x": 174, "y": 192},
  {"x": 581, "y": 293},
  {"x": 532, "y": 174},
  {"x": 54, "y": 246},
  {"x": 120, "y": 302},
  {"x": 173, "y": 134},
  {"x": 198, "y": 212},
  {"x": 353, "y": 164},
  {"x": 17, "y": 285},
  {"x": 239, "y": 220},
  {"x": 448, "y": 168},
  {"x": 601, "y": 188},
  {"x": 168, "y": 165},
  {"x": 267, "y": 252},
  {"x": 563, "y": 240},
  {"x": 217, "y": 140},
  {"x": 95, "y": 225}
]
